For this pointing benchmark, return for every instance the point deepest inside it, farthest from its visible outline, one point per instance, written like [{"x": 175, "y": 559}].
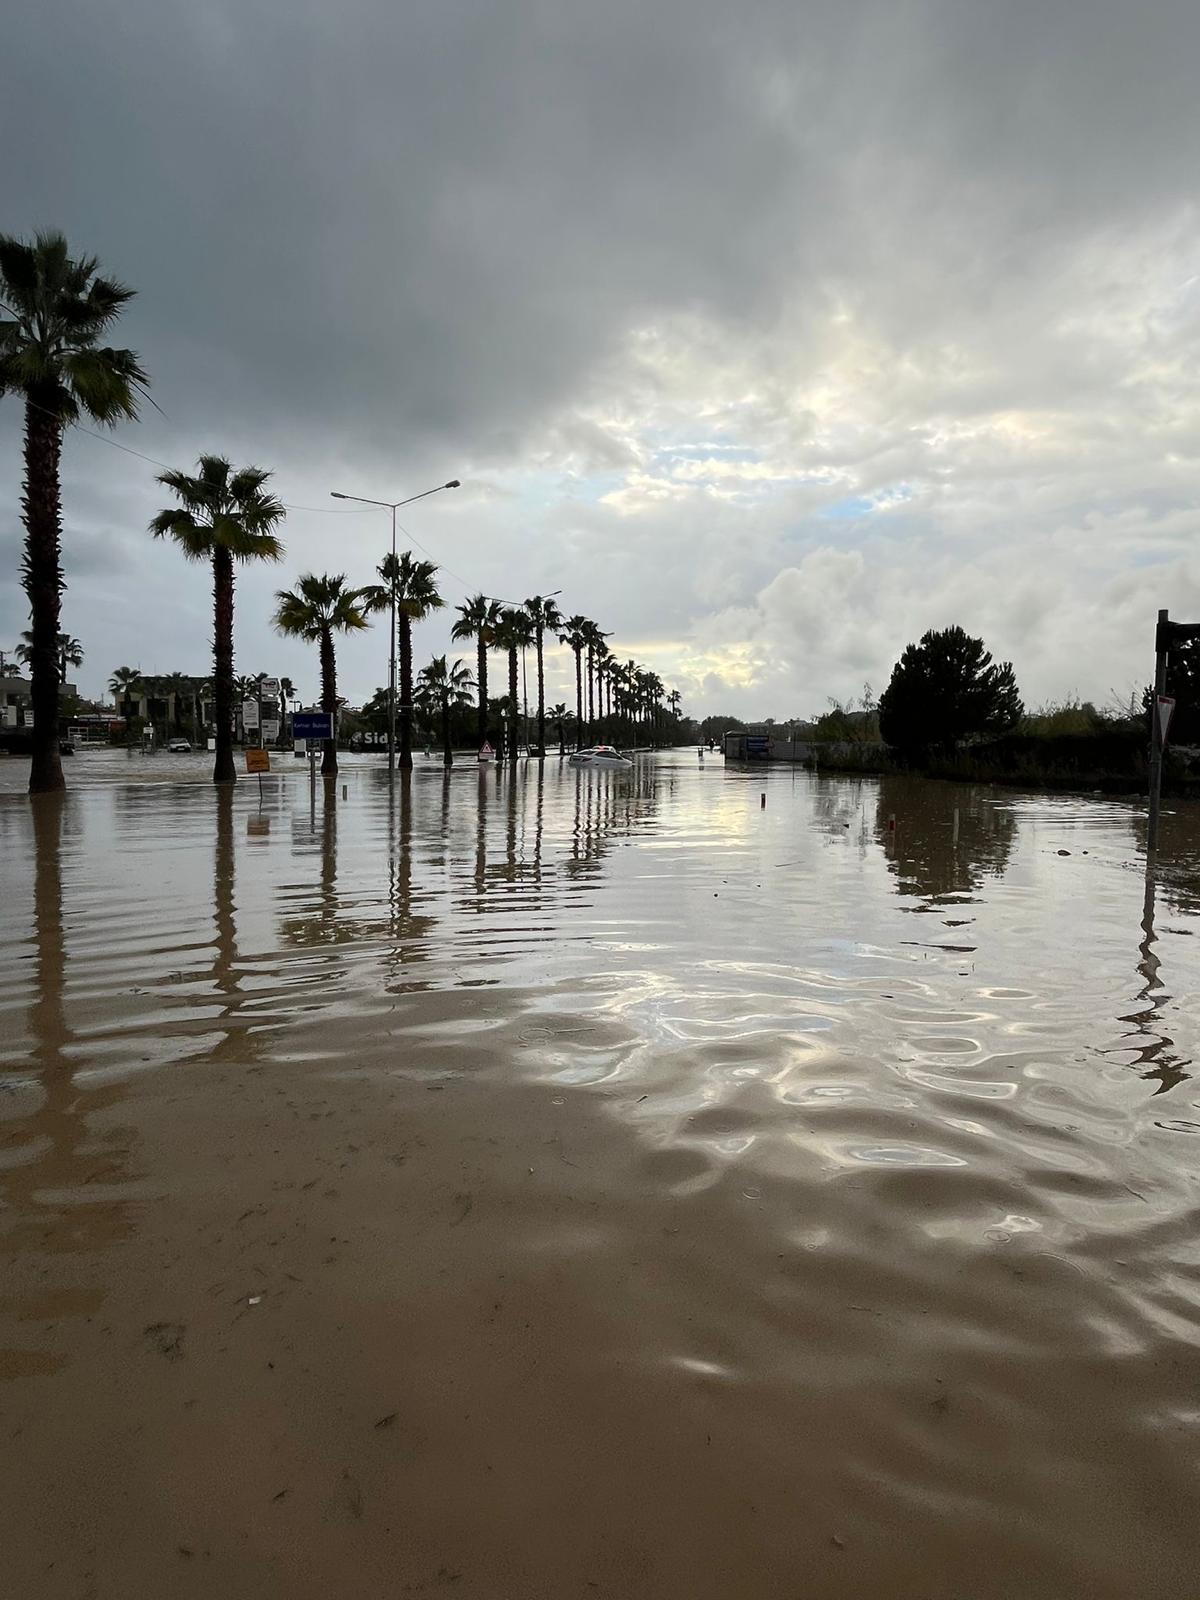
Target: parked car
[{"x": 179, "y": 747}]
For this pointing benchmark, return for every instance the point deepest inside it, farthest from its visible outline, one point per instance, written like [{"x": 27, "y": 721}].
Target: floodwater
[{"x": 530, "y": 1188}]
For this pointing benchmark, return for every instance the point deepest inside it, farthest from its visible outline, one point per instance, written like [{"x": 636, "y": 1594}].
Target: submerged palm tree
[
  {"x": 51, "y": 355},
  {"x": 410, "y": 585},
  {"x": 314, "y": 610},
  {"x": 546, "y": 618},
  {"x": 440, "y": 687},
  {"x": 574, "y": 634},
  {"x": 224, "y": 516},
  {"x": 478, "y": 620}
]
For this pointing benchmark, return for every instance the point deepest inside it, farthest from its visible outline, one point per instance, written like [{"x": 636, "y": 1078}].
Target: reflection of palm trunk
[
  {"x": 481, "y": 834},
  {"x": 223, "y": 768},
  {"x": 329, "y": 856},
  {"x": 224, "y": 924},
  {"x": 537, "y": 832},
  {"x": 65, "y": 1154},
  {"x": 510, "y": 837},
  {"x": 404, "y": 866}
]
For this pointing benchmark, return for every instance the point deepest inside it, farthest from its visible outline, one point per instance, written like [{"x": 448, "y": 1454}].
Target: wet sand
[{"x": 594, "y": 1187}]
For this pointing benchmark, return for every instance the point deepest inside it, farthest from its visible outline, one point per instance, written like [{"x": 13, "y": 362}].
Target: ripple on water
[{"x": 791, "y": 1164}]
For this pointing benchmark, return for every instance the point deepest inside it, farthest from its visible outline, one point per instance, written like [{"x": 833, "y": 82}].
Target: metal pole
[
  {"x": 392, "y": 658},
  {"x": 1156, "y": 738}
]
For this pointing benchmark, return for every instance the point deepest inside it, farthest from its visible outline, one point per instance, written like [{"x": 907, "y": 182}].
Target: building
[{"x": 16, "y": 709}]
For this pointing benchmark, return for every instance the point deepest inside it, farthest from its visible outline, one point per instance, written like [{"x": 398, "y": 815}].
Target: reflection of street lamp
[{"x": 392, "y": 506}]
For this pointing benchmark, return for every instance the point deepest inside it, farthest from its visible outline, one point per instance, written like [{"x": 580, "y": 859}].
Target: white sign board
[
  {"x": 270, "y": 730},
  {"x": 268, "y": 688},
  {"x": 250, "y": 715},
  {"x": 1165, "y": 706}
]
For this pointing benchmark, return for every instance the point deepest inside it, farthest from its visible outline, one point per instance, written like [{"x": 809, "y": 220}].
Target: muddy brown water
[{"x": 586, "y": 1186}]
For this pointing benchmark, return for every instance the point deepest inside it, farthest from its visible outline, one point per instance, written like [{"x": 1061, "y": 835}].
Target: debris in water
[
  {"x": 166, "y": 1338},
  {"x": 386, "y": 1422},
  {"x": 254, "y": 1299}
]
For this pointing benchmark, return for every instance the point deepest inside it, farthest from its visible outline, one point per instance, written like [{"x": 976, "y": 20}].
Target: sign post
[
  {"x": 258, "y": 761},
  {"x": 1168, "y": 636},
  {"x": 313, "y": 726}
]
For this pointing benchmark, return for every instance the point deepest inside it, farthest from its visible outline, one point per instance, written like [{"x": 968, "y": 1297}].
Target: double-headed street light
[{"x": 393, "y": 506}]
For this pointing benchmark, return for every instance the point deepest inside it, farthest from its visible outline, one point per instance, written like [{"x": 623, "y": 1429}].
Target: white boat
[{"x": 601, "y": 755}]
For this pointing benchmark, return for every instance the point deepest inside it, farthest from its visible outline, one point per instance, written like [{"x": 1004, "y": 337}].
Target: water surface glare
[{"x": 536, "y": 1185}]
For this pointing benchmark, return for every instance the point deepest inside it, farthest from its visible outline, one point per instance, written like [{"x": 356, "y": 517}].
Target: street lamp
[{"x": 393, "y": 506}]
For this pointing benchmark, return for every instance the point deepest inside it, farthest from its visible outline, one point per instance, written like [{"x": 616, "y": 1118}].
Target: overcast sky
[{"x": 772, "y": 334}]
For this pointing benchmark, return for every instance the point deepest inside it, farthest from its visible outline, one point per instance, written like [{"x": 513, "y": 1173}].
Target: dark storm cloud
[{"x": 387, "y": 241}]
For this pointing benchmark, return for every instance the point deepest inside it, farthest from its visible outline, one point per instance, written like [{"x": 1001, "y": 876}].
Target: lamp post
[{"x": 393, "y": 506}]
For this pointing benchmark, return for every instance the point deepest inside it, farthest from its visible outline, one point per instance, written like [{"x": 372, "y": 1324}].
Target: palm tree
[
  {"x": 314, "y": 610},
  {"x": 513, "y": 632},
  {"x": 244, "y": 688},
  {"x": 440, "y": 687},
  {"x": 594, "y": 639},
  {"x": 574, "y": 634},
  {"x": 654, "y": 694},
  {"x": 177, "y": 686},
  {"x": 121, "y": 685},
  {"x": 50, "y": 354},
  {"x": 478, "y": 620},
  {"x": 224, "y": 516},
  {"x": 409, "y": 584},
  {"x": 559, "y": 715},
  {"x": 68, "y": 652},
  {"x": 546, "y": 618}
]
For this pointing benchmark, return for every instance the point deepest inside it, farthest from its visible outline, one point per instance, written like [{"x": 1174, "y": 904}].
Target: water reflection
[
  {"x": 1153, "y": 1048},
  {"x": 947, "y": 838},
  {"x": 62, "y": 1175},
  {"x": 410, "y": 930}
]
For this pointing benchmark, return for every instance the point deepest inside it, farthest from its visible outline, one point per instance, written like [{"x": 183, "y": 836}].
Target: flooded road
[{"x": 526, "y": 1188}]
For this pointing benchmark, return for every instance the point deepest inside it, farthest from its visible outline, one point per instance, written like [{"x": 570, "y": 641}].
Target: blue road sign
[{"x": 312, "y": 725}]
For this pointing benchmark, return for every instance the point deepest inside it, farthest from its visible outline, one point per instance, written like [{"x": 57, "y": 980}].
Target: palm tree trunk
[
  {"x": 512, "y": 702},
  {"x": 578, "y": 698},
  {"x": 591, "y": 700},
  {"x": 329, "y": 764},
  {"x": 481, "y": 674},
  {"x": 404, "y": 622},
  {"x": 447, "y": 751},
  {"x": 541, "y": 698},
  {"x": 562, "y": 740},
  {"x": 223, "y": 768},
  {"x": 43, "y": 585}
]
